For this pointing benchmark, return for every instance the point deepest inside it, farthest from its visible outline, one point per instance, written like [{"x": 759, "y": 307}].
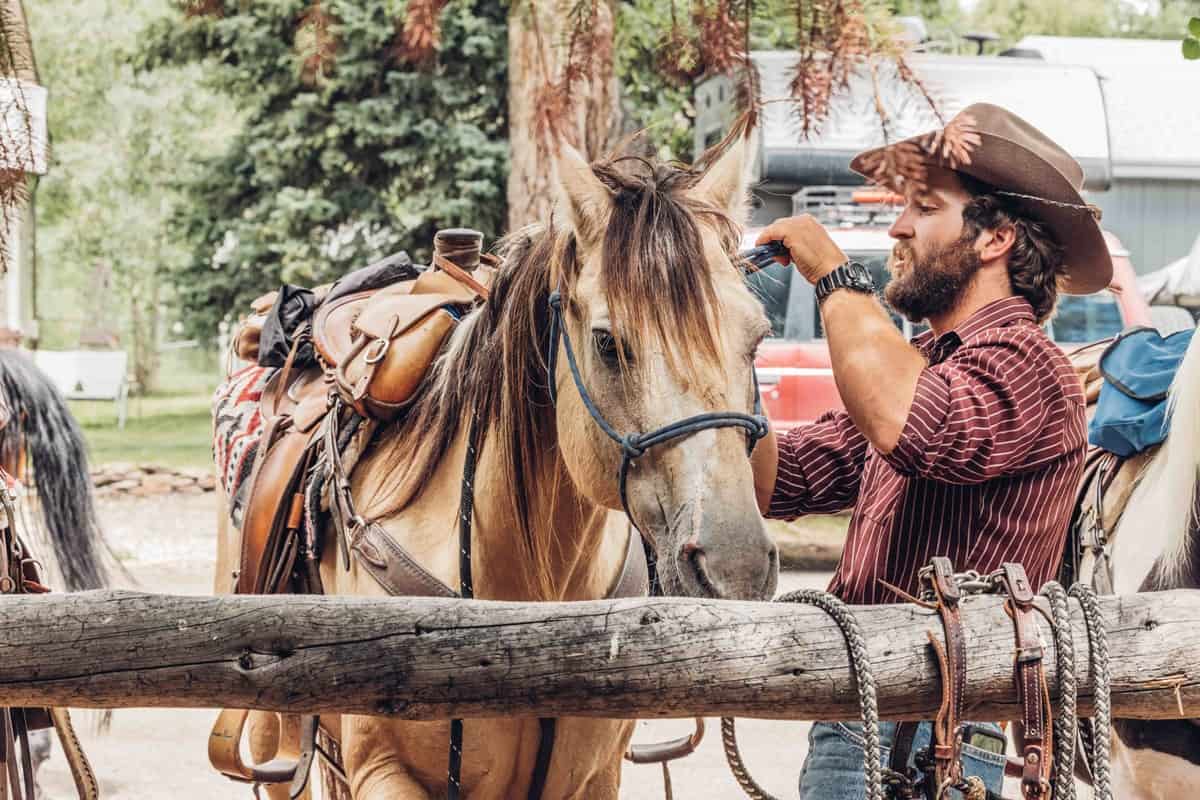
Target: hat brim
[{"x": 1007, "y": 165}]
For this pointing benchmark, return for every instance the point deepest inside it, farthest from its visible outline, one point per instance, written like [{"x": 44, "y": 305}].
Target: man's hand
[{"x": 813, "y": 252}]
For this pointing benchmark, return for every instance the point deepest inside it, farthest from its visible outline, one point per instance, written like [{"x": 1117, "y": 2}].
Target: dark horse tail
[{"x": 57, "y": 453}]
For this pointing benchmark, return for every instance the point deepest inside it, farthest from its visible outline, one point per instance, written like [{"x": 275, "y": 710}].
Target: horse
[
  {"x": 1155, "y": 545},
  {"x": 640, "y": 257},
  {"x": 42, "y": 445}
]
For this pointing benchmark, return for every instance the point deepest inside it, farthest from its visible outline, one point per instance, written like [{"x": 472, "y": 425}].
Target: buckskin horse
[
  {"x": 1147, "y": 517},
  {"x": 628, "y": 312}
]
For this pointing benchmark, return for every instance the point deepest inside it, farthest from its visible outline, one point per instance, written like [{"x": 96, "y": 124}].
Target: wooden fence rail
[{"x": 436, "y": 659}]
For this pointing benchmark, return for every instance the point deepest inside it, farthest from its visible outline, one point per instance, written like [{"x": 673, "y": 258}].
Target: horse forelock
[{"x": 657, "y": 278}]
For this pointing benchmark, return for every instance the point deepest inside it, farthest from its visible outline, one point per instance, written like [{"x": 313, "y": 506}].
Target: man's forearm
[{"x": 875, "y": 369}]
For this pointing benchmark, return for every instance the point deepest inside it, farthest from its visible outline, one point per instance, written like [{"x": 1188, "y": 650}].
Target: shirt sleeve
[
  {"x": 983, "y": 413},
  {"x": 820, "y": 468}
]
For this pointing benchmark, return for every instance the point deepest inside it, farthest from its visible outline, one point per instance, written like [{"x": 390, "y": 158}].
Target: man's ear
[
  {"x": 584, "y": 200},
  {"x": 995, "y": 243}
]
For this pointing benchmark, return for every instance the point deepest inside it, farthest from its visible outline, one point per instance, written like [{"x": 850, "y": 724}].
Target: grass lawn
[{"x": 173, "y": 430}]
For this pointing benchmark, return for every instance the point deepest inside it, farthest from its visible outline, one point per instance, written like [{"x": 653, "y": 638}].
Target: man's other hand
[{"x": 812, "y": 250}]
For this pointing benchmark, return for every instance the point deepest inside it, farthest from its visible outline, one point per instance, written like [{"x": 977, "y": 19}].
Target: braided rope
[
  {"x": 737, "y": 766},
  {"x": 864, "y": 679},
  {"x": 1098, "y": 659},
  {"x": 1063, "y": 776}
]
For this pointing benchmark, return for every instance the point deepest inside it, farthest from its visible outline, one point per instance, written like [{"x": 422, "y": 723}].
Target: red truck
[{"x": 793, "y": 364}]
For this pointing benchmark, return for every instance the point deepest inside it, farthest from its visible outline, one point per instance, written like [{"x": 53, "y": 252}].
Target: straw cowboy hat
[{"x": 1023, "y": 164}]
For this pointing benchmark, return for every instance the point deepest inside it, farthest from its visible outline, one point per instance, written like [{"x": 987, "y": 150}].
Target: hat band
[{"x": 1094, "y": 211}]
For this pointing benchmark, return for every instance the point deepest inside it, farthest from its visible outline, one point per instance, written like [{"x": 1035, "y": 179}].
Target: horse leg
[
  {"x": 390, "y": 782},
  {"x": 373, "y": 766},
  {"x": 229, "y": 547}
]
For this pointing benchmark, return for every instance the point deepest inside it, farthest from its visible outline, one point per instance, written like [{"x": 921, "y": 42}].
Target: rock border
[{"x": 150, "y": 480}]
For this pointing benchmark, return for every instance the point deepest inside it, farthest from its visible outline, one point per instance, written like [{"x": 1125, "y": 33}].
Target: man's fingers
[{"x": 768, "y": 234}]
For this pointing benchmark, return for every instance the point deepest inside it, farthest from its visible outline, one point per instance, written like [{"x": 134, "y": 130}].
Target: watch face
[{"x": 860, "y": 277}]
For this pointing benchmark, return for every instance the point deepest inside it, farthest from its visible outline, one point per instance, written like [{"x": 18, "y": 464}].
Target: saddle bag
[
  {"x": 384, "y": 342},
  {"x": 1138, "y": 367}
]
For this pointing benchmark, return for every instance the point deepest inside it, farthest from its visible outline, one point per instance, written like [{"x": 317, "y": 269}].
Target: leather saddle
[{"x": 375, "y": 338}]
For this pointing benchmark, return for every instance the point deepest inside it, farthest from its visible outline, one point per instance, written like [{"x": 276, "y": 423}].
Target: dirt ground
[{"x": 168, "y": 545}]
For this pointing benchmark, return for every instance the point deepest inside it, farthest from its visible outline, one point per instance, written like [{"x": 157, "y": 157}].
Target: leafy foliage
[
  {"x": 1191, "y": 42},
  {"x": 119, "y": 140},
  {"x": 344, "y": 157},
  {"x": 1012, "y": 19}
]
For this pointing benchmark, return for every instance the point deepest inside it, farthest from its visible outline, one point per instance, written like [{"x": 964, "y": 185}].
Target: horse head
[{"x": 658, "y": 327}]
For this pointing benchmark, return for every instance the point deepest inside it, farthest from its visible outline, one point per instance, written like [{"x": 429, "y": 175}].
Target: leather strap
[
  {"x": 547, "y": 728},
  {"x": 902, "y": 744},
  {"x": 634, "y": 580},
  {"x": 460, "y": 275},
  {"x": 391, "y": 566},
  {"x": 952, "y": 660},
  {"x": 1032, "y": 690},
  {"x": 86, "y": 784}
]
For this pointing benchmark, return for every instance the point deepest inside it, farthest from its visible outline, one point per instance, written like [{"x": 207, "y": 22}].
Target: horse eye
[{"x": 606, "y": 346}]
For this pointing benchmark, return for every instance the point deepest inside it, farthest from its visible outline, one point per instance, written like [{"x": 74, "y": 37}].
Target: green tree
[
  {"x": 1012, "y": 19},
  {"x": 119, "y": 141},
  {"x": 346, "y": 155}
]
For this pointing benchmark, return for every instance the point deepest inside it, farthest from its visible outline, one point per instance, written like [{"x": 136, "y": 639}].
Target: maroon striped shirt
[{"x": 985, "y": 470}]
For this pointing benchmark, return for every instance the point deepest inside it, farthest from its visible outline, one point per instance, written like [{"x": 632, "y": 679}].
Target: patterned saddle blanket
[{"x": 237, "y": 430}]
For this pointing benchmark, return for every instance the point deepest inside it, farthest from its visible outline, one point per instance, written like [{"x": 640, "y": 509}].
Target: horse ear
[
  {"x": 584, "y": 199},
  {"x": 726, "y": 183}
]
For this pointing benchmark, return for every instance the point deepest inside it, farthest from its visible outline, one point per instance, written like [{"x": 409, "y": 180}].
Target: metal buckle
[{"x": 375, "y": 358}]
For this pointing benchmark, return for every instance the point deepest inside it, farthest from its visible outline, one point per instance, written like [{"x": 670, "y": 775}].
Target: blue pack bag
[{"x": 1138, "y": 367}]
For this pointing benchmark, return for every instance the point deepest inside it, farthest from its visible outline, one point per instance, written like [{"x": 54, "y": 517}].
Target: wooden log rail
[{"x": 437, "y": 659}]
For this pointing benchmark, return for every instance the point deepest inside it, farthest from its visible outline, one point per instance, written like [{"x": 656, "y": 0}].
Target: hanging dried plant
[
  {"x": 953, "y": 143},
  {"x": 204, "y": 8},
  {"x": 316, "y": 43},
  {"x": 418, "y": 36},
  {"x": 18, "y": 150},
  {"x": 678, "y": 56}
]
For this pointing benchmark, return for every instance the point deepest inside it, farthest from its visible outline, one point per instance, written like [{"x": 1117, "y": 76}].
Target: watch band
[{"x": 851, "y": 275}]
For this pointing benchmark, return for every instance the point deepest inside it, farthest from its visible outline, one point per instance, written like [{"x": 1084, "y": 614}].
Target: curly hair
[{"x": 1035, "y": 263}]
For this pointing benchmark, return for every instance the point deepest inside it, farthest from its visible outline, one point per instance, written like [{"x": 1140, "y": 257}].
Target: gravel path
[{"x": 167, "y": 544}]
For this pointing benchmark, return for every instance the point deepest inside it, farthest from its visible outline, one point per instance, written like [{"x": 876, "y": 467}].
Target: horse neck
[{"x": 583, "y": 552}]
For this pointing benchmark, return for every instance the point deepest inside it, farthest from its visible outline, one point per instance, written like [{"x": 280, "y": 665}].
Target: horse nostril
[{"x": 696, "y": 557}]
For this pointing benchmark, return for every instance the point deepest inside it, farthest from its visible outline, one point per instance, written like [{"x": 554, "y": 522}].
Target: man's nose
[{"x": 902, "y": 228}]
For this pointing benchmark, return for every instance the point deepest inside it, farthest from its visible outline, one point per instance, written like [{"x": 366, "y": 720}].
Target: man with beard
[{"x": 969, "y": 441}]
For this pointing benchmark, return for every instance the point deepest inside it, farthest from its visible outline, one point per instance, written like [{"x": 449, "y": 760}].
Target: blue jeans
[{"x": 834, "y": 767}]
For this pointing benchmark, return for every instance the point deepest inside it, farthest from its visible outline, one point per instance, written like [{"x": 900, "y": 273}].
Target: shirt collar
[{"x": 997, "y": 314}]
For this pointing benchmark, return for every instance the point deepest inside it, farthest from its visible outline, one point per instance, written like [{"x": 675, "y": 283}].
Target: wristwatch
[{"x": 851, "y": 275}]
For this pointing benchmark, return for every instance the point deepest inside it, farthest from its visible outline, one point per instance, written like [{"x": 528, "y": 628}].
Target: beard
[{"x": 931, "y": 285}]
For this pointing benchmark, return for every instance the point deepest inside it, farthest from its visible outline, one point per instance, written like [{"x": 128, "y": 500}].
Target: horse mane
[
  {"x": 661, "y": 295},
  {"x": 42, "y": 425}
]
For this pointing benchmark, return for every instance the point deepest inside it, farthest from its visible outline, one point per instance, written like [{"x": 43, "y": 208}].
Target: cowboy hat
[{"x": 1023, "y": 164}]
